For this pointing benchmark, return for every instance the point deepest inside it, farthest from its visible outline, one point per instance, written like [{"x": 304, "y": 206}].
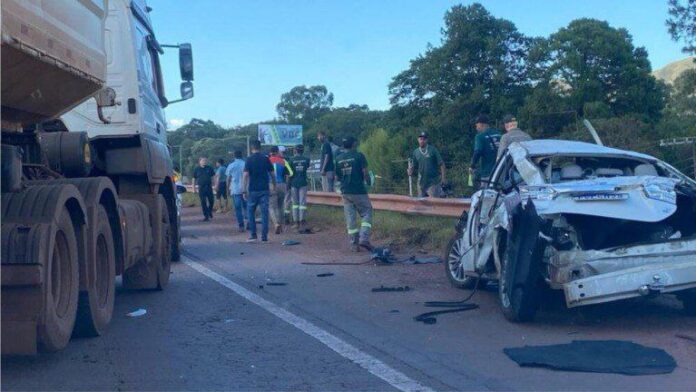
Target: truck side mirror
[
  {"x": 186, "y": 62},
  {"x": 106, "y": 97},
  {"x": 186, "y": 90}
]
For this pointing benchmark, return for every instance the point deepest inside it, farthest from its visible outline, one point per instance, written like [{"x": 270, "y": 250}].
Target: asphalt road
[{"x": 219, "y": 325}]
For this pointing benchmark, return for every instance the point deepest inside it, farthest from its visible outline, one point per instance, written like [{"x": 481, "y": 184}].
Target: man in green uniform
[
  {"x": 427, "y": 162},
  {"x": 299, "y": 164},
  {"x": 351, "y": 171},
  {"x": 485, "y": 150}
]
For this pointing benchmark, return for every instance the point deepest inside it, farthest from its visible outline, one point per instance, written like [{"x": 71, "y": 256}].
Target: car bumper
[{"x": 678, "y": 274}]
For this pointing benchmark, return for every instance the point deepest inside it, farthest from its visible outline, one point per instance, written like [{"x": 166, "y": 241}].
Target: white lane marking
[{"x": 373, "y": 365}]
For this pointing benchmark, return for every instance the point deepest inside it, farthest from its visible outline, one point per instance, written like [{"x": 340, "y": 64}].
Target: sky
[{"x": 247, "y": 53}]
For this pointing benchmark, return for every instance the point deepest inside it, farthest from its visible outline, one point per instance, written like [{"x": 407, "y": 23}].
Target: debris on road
[
  {"x": 290, "y": 242},
  {"x": 324, "y": 275},
  {"x": 383, "y": 289},
  {"x": 385, "y": 255},
  {"x": 686, "y": 337},
  {"x": 595, "y": 356},
  {"x": 276, "y": 284},
  {"x": 137, "y": 313},
  {"x": 429, "y": 317}
]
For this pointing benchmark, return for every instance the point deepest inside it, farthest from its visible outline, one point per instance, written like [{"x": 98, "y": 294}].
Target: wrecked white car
[{"x": 599, "y": 223}]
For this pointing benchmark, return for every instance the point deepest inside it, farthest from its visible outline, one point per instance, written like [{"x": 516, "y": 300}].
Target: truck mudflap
[{"x": 656, "y": 278}]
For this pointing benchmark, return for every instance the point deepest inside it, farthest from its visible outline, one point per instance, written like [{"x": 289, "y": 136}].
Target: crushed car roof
[{"x": 570, "y": 147}]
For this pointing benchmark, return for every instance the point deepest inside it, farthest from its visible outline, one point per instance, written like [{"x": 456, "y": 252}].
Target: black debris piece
[
  {"x": 276, "y": 284},
  {"x": 394, "y": 311},
  {"x": 261, "y": 286},
  {"x": 383, "y": 289},
  {"x": 429, "y": 317},
  {"x": 324, "y": 275},
  {"x": 596, "y": 356},
  {"x": 385, "y": 255}
]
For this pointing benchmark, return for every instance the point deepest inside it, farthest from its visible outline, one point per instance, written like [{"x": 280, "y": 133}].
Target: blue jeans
[
  {"x": 240, "y": 206},
  {"x": 258, "y": 199}
]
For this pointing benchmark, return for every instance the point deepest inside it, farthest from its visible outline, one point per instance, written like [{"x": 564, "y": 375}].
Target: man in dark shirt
[
  {"x": 203, "y": 177},
  {"x": 326, "y": 163},
  {"x": 257, "y": 172},
  {"x": 351, "y": 170},
  {"x": 427, "y": 162},
  {"x": 485, "y": 149},
  {"x": 298, "y": 186}
]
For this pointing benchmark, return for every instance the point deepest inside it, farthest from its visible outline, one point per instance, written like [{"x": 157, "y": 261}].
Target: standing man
[
  {"x": 281, "y": 171},
  {"x": 430, "y": 167},
  {"x": 221, "y": 184},
  {"x": 298, "y": 186},
  {"x": 257, "y": 171},
  {"x": 352, "y": 172},
  {"x": 203, "y": 177},
  {"x": 326, "y": 163},
  {"x": 486, "y": 145},
  {"x": 512, "y": 134},
  {"x": 235, "y": 173}
]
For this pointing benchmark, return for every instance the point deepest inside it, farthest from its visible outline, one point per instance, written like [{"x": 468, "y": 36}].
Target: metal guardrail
[
  {"x": 399, "y": 203},
  {"x": 396, "y": 203}
]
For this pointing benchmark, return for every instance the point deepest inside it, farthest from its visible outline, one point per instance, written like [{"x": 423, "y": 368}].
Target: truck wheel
[
  {"x": 165, "y": 247},
  {"x": 96, "y": 305},
  {"x": 688, "y": 299},
  {"x": 61, "y": 287},
  {"x": 153, "y": 272},
  {"x": 453, "y": 265}
]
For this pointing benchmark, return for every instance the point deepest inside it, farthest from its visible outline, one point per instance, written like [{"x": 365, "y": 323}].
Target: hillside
[{"x": 671, "y": 71}]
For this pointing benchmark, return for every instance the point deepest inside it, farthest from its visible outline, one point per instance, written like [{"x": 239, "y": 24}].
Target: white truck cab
[{"x": 134, "y": 73}]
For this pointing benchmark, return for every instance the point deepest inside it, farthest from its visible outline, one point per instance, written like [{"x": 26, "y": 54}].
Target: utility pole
[{"x": 678, "y": 141}]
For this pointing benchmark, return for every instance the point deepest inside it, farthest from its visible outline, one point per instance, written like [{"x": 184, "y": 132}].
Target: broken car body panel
[{"x": 613, "y": 230}]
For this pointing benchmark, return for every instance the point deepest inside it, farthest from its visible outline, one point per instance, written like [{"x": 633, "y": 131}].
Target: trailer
[{"x": 88, "y": 189}]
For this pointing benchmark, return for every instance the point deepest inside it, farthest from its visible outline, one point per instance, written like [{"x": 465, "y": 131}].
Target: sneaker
[
  {"x": 264, "y": 239},
  {"x": 252, "y": 239}
]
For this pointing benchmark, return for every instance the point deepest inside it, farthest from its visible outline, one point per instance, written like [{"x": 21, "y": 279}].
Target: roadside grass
[{"x": 429, "y": 233}]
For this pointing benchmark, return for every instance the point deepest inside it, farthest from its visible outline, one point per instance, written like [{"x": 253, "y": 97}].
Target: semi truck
[{"x": 88, "y": 187}]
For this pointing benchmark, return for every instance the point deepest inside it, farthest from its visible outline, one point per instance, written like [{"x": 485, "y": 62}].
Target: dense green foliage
[{"x": 483, "y": 64}]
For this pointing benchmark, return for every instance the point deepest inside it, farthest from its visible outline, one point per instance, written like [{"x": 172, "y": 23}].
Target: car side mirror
[
  {"x": 180, "y": 189},
  {"x": 186, "y": 62}
]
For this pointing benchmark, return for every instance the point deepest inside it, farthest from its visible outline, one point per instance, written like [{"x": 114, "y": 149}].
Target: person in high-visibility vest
[
  {"x": 299, "y": 164},
  {"x": 351, "y": 170}
]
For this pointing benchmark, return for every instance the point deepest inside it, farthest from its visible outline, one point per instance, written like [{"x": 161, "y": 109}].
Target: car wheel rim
[{"x": 454, "y": 260}]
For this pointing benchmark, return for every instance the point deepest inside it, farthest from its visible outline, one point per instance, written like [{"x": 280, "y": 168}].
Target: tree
[
  {"x": 354, "y": 120},
  {"x": 304, "y": 105},
  {"x": 589, "y": 61},
  {"x": 682, "y": 23},
  {"x": 682, "y": 101}
]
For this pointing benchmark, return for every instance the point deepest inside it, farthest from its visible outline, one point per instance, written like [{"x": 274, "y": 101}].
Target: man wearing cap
[
  {"x": 512, "y": 134},
  {"x": 428, "y": 163},
  {"x": 485, "y": 149},
  {"x": 299, "y": 164},
  {"x": 351, "y": 171}
]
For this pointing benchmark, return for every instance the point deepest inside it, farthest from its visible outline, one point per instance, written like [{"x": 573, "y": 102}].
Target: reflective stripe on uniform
[
  {"x": 303, "y": 207},
  {"x": 295, "y": 206},
  {"x": 353, "y": 231},
  {"x": 366, "y": 224}
]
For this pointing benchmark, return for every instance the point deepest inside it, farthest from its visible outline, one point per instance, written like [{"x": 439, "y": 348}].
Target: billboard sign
[{"x": 280, "y": 134}]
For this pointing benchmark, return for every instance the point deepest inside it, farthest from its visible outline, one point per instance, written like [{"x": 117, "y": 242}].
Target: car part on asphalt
[
  {"x": 596, "y": 356},
  {"x": 276, "y": 284},
  {"x": 383, "y": 289},
  {"x": 324, "y": 275},
  {"x": 137, "y": 313},
  {"x": 290, "y": 242}
]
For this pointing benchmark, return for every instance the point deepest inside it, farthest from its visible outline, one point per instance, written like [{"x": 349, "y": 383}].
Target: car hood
[{"x": 642, "y": 198}]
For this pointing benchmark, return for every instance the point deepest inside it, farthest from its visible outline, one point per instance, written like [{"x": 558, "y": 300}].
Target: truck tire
[
  {"x": 61, "y": 287},
  {"x": 96, "y": 305},
  {"x": 452, "y": 256},
  {"x": 153, "y": 272},
  {"x": 519, "y": 287}
]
